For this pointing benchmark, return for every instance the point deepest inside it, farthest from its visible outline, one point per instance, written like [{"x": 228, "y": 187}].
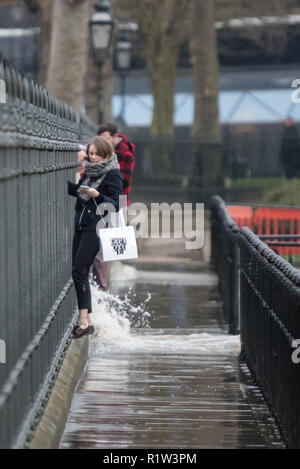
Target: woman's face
[{"x": 94, "y": 158}]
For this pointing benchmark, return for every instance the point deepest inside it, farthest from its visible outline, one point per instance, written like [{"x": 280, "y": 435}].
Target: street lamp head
[
  {"x": 102, "y": 5},
  {"x": 123, "y": 54},
  {"x": 101, "y": 27}
]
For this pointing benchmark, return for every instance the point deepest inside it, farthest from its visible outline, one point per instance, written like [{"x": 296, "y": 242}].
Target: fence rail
[
  {"x": 225, "y": 260},
  {"x": 39, "y": 138},
  {"x": 270, "y": 312},
  {"x": 268, "y": 297}
]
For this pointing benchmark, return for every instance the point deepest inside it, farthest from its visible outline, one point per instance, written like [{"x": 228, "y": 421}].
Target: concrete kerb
[{"x": 51, "y": 426}]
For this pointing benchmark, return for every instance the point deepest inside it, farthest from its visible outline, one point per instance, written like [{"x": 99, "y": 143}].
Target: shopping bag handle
[{"x": 119, "y": 220}]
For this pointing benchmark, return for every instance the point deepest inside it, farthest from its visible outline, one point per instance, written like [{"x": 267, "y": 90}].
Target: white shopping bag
[{"x": 117, "y": 243}]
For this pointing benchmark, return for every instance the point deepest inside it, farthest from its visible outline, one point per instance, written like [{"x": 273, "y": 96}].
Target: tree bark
[
  {"x": 91, "y": 88},
  {"x": 206, "y": 86},
  {"x": 161, "y": 29},
  {"x": 43, "y": 9},
  {"x": 45, "y": 13},
  {"x": 69, "y": 50},
  {"x": 162, "y": 73},
  {"x": 108, "y": 86}
]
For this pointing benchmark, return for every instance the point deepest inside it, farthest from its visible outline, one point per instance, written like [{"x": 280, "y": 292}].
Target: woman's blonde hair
[{"x": 103, "y": 148}]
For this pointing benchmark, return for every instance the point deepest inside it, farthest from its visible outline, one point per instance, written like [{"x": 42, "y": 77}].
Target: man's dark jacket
[{"x": 290, "y": 151}]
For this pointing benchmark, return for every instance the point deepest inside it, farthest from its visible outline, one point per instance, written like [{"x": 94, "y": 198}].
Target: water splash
[
  {"x": 122, "y": 327},
  {"x": 115, "y": 318}
]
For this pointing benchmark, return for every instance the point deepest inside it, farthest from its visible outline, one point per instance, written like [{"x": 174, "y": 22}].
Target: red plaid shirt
[{"x": 124, "y": 151}]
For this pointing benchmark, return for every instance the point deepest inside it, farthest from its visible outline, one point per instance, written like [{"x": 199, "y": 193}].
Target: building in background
[{"x": 19, "y": 33}]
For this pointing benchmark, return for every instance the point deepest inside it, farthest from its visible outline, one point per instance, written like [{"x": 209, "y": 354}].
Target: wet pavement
[{"x": 176, "y": 383}]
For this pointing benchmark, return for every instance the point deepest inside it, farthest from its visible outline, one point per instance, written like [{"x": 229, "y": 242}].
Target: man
[
  {"x": 124, "y": 150},
  {"x": 290, "y": 149}
]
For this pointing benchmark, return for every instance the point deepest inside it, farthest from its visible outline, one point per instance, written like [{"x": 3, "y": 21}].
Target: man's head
[
  {"x": 289, "y": 122},
  {"x": 110, "y": 132}
]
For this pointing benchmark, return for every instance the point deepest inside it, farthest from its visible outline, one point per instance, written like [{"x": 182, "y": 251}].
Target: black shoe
[{"x": 79, "y": 332}]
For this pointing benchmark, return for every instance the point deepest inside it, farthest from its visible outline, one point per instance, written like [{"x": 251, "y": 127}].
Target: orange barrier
[
  {"x": 269, "y": 220},
  {"x": 272, "y": 220},
  {"x": 241, "y": 215}
]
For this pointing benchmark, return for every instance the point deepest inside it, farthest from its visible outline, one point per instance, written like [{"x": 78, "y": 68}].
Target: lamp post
[
  {"x": 101, "y": 29},
  {"x": 123, "y": 57}
]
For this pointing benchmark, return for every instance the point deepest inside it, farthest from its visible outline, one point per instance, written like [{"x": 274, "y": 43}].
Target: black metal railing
[
  {"x": 39, "y": 137},
  {"x": 270, "y": 312},
  {"x": 225, "y": 261},
  {"x": 265, "y": 294}
]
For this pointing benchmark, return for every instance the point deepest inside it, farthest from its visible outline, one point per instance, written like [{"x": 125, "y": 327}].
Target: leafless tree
[
  {"x": 206, "y": 86},
  {"x": 69, "y": 50},
  {"x": 162, "y": 26},
  {"x": 43, "y": 9}
]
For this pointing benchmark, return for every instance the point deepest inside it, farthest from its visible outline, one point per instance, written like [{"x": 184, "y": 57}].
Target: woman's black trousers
[{"x": 84, "y": 250}]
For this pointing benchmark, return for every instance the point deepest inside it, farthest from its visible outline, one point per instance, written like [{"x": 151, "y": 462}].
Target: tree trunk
[
  {"x": 206, "y": 84},
  {"x": 108, "y": 87},
  {"x": 158, "y": 23},
  {"x": 69, "y": 50},
  {"x": 43, "y": 9},
  {"x": 45, "y": 13},
  {"x": 161, "y": 28},
  {"x": 91, "y": 89},
  {"x": 162, "y": 72}
]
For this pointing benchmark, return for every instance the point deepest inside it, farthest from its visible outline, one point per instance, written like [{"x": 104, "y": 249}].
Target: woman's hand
[
  {"x": 81, "y": 156},
  {"x": 92, "y": 193}
]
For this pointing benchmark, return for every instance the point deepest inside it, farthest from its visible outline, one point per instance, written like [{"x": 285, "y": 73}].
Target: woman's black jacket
[{"x": 86, "y": 217}]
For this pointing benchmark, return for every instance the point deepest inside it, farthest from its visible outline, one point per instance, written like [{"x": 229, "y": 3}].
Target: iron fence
[
  {"x": 39, "y": 137},
  {"x": 176, "y": 162},
  {"x": 264, "y": 291},
  {"x": 249, "y": 156},
  {"x": 225, "y": 261},
  {"x": 270, "y": 309}
]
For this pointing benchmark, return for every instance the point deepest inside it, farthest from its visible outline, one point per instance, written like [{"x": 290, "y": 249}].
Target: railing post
[
  {"x": 225, "y": 261},
  {"x": 234, "y": 326}
]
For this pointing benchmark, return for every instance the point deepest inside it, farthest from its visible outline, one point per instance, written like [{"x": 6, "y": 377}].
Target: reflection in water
[{"x": 178, "y": 306}]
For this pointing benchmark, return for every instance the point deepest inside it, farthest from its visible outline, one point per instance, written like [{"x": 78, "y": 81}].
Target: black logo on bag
[{"x": 119, "y": 245}]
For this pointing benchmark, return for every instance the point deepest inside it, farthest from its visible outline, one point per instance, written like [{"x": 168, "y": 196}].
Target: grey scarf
[{"x": 97, "y": 170}]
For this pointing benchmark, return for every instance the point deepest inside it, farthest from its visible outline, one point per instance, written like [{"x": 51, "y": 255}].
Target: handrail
[
  {"x": 268, "y": 297},
  {"x": 39, "y": 141}
]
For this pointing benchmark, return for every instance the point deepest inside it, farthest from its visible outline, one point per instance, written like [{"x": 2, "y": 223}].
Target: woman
[{"x": 102, "y": 175}]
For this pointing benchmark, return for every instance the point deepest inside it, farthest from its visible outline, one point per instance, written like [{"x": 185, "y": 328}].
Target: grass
[
  {"x": 257, "y": 182},
  {"x": 286, "y": 193}
]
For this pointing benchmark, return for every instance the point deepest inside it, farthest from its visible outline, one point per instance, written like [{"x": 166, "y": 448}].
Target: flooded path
[{"x": 163, "y": 372}]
